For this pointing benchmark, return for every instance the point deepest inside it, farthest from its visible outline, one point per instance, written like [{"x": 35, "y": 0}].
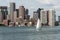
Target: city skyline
[
  {"x": 33, "y": 5},
  {"x": 21, "y": 16}
]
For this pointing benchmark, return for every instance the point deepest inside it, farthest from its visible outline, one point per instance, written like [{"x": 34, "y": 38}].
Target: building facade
[
  {"x": 35, "y": 15},
  {"x": 3, "y": 13},
  {"x": 26, "y": 14},
  {"x": 12, "y": 9},
  {"x": 1, "y": 19},
  {"x": 52, "y": 17},
  {"x": 15, "y": 16},
  {"x": 17, "y": 10},
  {"x": 43, "y": 17},
  {"x": 21, "y": 12}
]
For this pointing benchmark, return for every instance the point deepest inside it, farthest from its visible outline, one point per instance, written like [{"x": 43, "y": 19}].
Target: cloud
[
  {"x": 43, "y": 1},
  {"x": 10, "y": 0},
  {"x": 0, "y": 0},
  {"x": 54, "y": 3}
]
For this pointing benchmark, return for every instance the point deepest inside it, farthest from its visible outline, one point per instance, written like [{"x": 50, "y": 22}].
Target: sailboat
[{"x": 38, "y": 26}]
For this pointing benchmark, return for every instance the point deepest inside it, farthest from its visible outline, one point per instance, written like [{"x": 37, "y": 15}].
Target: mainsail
[{"x": 38, "y": 26}]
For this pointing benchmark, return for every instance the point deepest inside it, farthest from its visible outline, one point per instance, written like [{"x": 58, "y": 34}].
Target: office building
[
  {"x": 4, "y": 11},
  {"x": 1, "y": 19},
  {"x": 12, "y": 9},
  {"x": 21, "y": 12},
  {"x": 17, "y": 10},
  {"x": 26, "y": 14},
  {"x": 43, "y": 17},
  {"x": 26, "y": 11},
  {"x": 35, "y": 15},
  {"x": 52, "y": 17},
  {"x": 15, "y": 16}
]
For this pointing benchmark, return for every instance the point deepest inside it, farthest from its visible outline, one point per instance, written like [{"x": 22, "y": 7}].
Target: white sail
[{"x": 38, "y": 26}]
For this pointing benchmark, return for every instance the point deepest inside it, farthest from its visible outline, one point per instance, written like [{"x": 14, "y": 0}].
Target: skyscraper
[
  {"x": 4, "y": 11},
  {"x": 21, "y": 12},
  {"x": 52, "y": 17},
  {"x": 15, "y": 16},
  {"x": 43, "y": 17},
  {"x": 12, "y": 9},
  {"x": 35, "y": 15},
  {"x": 26, "y": 11},
  {"x": 26, "y": 14},
  {"x": 17, "y": 10}
]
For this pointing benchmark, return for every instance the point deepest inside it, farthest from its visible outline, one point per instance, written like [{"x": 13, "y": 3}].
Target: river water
[{"x": 29, "y": 33}]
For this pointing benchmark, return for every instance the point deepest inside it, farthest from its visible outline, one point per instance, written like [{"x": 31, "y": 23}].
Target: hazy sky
[{"x": 32, "y": 5}]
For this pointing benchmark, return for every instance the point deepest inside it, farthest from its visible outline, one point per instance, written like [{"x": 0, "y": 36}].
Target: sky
[{"x": 33, "y": 5}]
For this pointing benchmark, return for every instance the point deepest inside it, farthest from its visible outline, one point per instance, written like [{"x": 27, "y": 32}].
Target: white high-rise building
[
  {"x": 43, "y": 17},
  {"x": 12, "y": 9},
  {"x": 52, "y": 17},
  {"x": 15, "y": 16}
]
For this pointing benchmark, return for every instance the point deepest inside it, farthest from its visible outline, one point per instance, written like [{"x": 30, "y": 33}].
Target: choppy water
[{"x": 29, "y": 33}]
